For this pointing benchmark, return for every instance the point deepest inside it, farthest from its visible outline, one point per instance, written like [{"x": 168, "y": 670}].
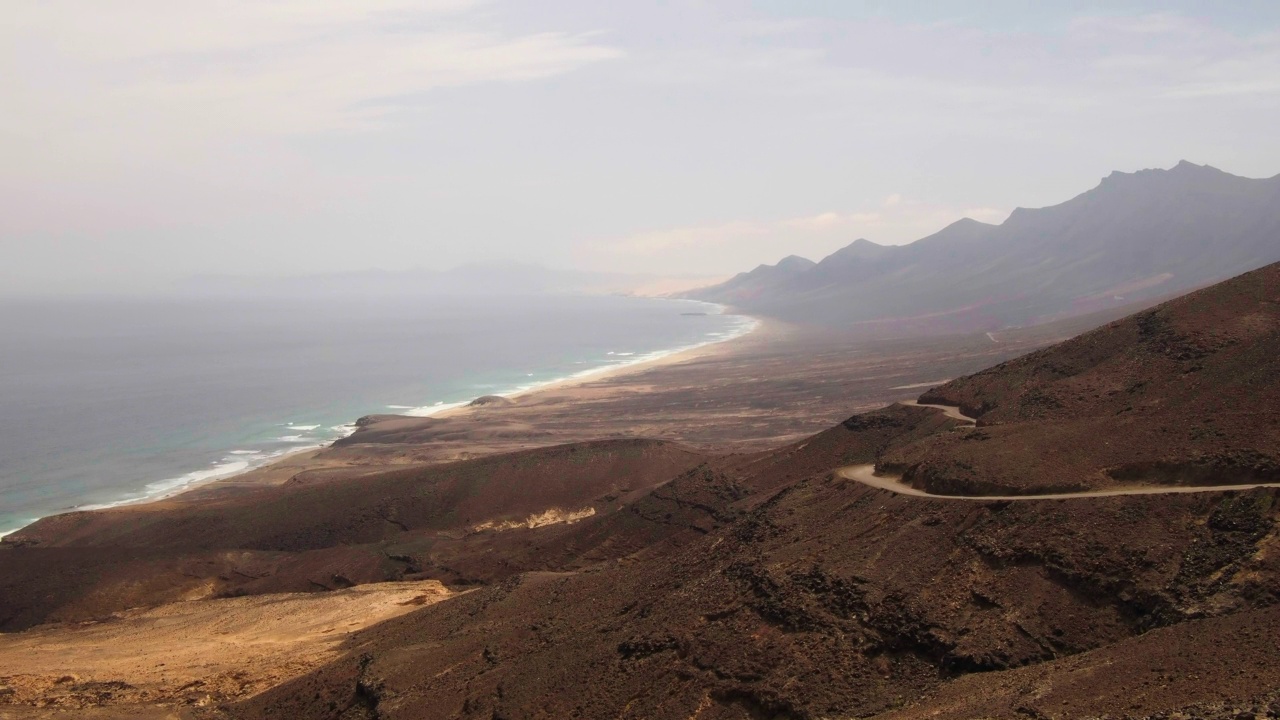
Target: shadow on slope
[{"x": 460, "y": 523}]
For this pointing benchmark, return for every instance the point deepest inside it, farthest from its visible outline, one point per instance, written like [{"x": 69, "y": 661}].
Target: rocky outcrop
[{"x": 490, "y": 401}]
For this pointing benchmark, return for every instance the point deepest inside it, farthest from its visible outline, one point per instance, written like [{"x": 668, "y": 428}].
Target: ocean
[{"x": 111, "y": 401}]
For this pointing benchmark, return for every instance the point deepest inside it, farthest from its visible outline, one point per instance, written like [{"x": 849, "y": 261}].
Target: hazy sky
[{"x": 147, "y": 140}]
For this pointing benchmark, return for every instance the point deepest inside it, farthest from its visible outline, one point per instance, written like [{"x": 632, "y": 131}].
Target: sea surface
[{"x": 106, "y": 402}]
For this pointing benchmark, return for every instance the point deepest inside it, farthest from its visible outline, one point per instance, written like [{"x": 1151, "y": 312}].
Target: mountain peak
[
  {"x": 1188, "y": 168},
  {"x": 860, "y": 248},
  {"x": 968, "y": 223},
  {"x": 1184, "y": 169},
  {"x": 794, "y": 262},
  {"x": 1134, "y": 237}
]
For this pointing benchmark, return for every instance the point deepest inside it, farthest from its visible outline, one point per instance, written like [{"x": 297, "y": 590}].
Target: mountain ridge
[{"x": 1145, "y": 235}]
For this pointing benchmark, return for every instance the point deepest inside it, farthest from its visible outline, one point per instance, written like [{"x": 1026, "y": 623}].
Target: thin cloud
[
  {"x": 896, "y": 220},
  {"x": 1146, "y": 24},
  {"x": 664, "y": 242},
  {"x": 174, "y": 138},
  {"x": 266, "y": 67}
]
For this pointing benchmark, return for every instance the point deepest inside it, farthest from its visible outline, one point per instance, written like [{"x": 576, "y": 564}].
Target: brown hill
[
  {"x": 765, "y": 585},
  {"x": 822, "y": 598},
  {"x": 1185, "y": 393},
  {"x": 785, "y": 591},
  {"x": 460, "y": 523}
]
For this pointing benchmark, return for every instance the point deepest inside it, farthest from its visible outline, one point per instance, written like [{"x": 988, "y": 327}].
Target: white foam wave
[
  {"x": 13, "y": 530},
  {"x": 294, "y": 439},
  {"x": 234, "y": 462},
  {"x": 429, "y": 410},
  {"x": 290, "y": 451},
  {"x": 742, "y": 325},
  {"x": 172, "y": 486},
  {"x": 219, "y": 470},
  {"x": 241, "y": 460}
]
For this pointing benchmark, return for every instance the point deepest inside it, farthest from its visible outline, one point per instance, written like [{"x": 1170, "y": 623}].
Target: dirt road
[{"x": 866, "y": 474}]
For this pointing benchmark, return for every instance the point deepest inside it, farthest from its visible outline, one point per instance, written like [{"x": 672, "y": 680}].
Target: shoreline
[
  {"x": 650, "y": 361},
  {"x": 760, "y": 385},
  {"x": 750, "y": 326},
  {"x": 608, "y": 372},
  {"x": 462, "y": 409}
]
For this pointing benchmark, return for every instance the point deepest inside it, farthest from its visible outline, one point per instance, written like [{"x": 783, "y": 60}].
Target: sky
[{"x": 145, "y": 141}]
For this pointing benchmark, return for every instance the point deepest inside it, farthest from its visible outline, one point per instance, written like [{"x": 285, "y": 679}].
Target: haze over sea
[{"x": 111, "y": 401}]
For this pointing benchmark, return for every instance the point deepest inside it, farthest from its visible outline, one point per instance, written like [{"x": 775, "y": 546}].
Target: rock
[{"x": 491, "y": 401}]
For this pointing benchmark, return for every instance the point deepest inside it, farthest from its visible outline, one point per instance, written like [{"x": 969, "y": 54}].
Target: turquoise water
[{"x": 106, "y": 402}]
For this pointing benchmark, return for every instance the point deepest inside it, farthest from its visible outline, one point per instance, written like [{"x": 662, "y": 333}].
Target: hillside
[
  {"x": 1185, "y": 393},
  {"x": 672, "y": 583},
  {"x": 774, "y": 588},
  {"x": 1136, "y": 236},
  {"x": 745, "y": 288},
  {"x": 462, "y": 523}
]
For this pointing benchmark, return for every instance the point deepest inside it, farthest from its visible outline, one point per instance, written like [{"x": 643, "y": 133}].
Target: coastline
[
  {"x": 608, "y": 372},
  {"x": 269, "y": 473},
  {"x": 771, "y": 384},
  {"x": 279, "y": 468},
  {"x": 602, "y": 372}
]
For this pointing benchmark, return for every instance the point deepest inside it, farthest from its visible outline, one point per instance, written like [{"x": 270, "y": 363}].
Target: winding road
[
  {"x": 949, "y": 410},
  {"x": 866, "y": 474}
]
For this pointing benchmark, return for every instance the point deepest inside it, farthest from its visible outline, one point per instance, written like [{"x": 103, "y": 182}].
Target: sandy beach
[
  {"x": 281, "y": 470},
  {"x": 757, "y": 391}
]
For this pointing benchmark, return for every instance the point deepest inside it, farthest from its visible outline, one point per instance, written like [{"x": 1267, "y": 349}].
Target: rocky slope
[
  {"x": 461, "y": 523},
  {"x": 783, "y": 592},
  {"x": 1185, "y": 393},
  {"x": 764, "y": 585}
]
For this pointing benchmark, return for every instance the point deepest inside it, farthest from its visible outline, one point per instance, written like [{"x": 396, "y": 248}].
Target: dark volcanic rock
[{"x": 490, "y": 401}]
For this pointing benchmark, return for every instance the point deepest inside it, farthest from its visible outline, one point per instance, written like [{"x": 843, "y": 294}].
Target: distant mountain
[
  {"x": 748, "y": 286},
  {"x": 490, "y": 278},
  {"x": 1136, "y": 236}
]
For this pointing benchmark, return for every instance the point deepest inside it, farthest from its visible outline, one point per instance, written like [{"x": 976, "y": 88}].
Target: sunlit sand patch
[
  {"x": 197, "y": 652},
  {"x": 913, "y": 386},
  {"x": 552, "y": 516}
]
